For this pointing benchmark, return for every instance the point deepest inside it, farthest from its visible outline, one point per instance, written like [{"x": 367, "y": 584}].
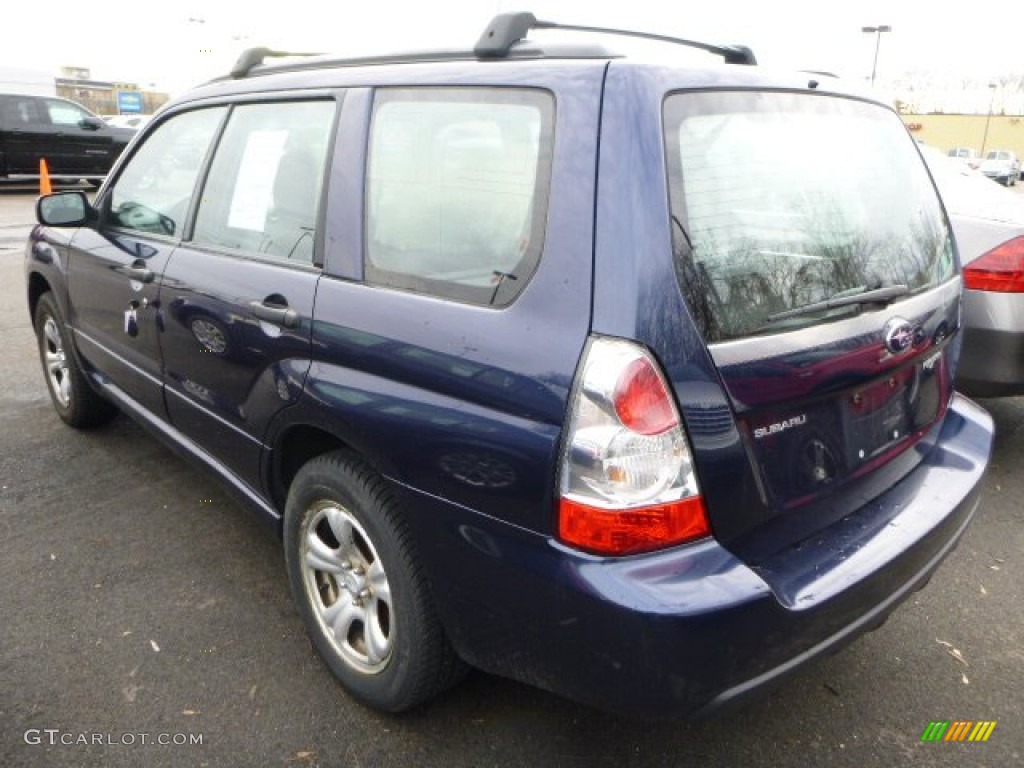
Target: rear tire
[
  {"x": 74, "y": 399},
  {"x": 359, "y": 587}
]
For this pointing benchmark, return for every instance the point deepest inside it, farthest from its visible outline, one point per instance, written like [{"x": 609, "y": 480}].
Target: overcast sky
[{"x": 178, "y": 44}]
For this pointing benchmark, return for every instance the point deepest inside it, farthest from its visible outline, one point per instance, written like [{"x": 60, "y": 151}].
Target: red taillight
[
  {"x": 641, "y": 401},
  {"x": 625, "y": 532},
  {"x": 627, "y": 482},
  {"x": 1000, "y": 270}
]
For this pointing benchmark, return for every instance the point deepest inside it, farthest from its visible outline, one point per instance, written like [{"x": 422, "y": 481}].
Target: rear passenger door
[
  {"x": 237, "y": 297},
  {"x": 446, "y": 337},
  {"x": 23, "y": 134}
]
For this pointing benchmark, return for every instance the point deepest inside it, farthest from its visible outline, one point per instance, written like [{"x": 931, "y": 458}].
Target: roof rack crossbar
[
  {"x": 251, "y": 58},
  {"x": 506, "y": 29}
]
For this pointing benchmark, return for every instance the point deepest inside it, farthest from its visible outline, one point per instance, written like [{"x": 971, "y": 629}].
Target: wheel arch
[
  {"x": 37, "y": 286},
  {"x": 294, "y": 447}
]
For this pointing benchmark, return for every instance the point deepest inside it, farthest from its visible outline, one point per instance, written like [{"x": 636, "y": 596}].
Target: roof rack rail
[
  {"x": 506, "y": 29},
  {"x": 253, "y": 57}
]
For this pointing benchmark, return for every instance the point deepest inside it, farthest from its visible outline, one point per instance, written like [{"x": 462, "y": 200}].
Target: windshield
[{"x": 782, "y": 200}]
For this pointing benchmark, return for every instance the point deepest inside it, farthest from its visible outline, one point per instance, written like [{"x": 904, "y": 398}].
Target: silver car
[
  {"x": 988, "y": 223},
  {"x": 1001, "y": 165}
]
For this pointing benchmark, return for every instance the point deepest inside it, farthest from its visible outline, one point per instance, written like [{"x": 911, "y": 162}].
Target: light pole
[
  {"x": 877, "y": 31},
  {"x": 988, "y": 118}
]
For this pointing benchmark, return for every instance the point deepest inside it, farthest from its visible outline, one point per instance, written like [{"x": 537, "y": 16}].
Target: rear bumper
[
  {"x": 848, "y": 579},
  {"x": 991, "y": 364},
  {"x": 992, "y": 356},
  {"x": 693, "y": 628},
  {"x": 1001, "y": 175}
]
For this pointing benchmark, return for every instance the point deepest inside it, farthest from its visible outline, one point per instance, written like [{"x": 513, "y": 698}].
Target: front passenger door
[
  {"x": 114, "y": 270},
  {"x": 79, "y": 141}
]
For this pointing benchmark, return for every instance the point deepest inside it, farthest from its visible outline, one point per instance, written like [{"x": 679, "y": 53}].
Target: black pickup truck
[{"x": 75, "y": 143}]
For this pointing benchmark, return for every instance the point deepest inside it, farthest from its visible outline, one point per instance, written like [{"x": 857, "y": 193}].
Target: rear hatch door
[{"x": 817, "y": 262}]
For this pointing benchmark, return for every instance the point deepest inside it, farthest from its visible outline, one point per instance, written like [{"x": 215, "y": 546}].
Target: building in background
[
  {"x": 975, "y": 131},
  {"x": 105, "y": 97}
]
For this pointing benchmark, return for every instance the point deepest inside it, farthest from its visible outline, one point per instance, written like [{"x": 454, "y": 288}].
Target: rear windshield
[{"x": 783, "y": 200}]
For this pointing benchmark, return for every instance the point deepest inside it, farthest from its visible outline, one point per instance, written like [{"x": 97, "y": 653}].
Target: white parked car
[
  {"x": 966, "y": 155},
  {"x": 1001, "y": 165}
]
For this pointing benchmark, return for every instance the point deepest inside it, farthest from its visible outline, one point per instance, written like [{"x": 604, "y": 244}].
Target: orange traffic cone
[{"x": 44, "y": 178}]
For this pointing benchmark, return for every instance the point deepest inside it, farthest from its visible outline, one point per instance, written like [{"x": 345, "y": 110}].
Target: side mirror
[
  {"x": 90, "y": 123},
  {"x": 64, "y": 209}
]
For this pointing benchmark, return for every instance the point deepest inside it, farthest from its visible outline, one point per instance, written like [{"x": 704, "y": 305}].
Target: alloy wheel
[{"x": 347, "y": 586}]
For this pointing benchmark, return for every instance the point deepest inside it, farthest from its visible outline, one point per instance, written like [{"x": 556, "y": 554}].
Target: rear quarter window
[
  {"x": 457, "y": 190},
  {"x": 17, "y": 112},
  {"x": 780, "y": 200}
]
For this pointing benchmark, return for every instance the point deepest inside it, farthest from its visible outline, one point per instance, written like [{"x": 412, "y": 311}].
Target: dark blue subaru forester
[{"x": 577, "y": 369}]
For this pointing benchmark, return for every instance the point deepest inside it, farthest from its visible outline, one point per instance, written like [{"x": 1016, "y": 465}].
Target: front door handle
[
  {"x": 275, "y": 313},
  {"x": 138, "y": 271}
]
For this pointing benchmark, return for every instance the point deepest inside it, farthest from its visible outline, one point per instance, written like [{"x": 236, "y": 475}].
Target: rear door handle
[{"x": 275, "y": 313}]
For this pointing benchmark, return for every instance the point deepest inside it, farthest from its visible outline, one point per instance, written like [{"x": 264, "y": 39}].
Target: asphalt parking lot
[{"x": 141, "y": 605}]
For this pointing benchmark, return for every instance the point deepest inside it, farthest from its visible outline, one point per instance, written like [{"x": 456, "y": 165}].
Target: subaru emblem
[{"x": 898, "y": 334}]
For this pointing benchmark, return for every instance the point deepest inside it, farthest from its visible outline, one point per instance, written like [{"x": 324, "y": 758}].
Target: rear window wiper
[{"x": 859, "y": 295}]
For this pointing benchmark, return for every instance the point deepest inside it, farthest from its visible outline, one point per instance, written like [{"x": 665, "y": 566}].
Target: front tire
[
  {"x": 75, "y": 401},
  {"x": 359, "y": 588}
]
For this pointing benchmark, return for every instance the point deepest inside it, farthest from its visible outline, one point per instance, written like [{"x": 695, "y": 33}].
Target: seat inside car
[{"x": 291, "y": 222}]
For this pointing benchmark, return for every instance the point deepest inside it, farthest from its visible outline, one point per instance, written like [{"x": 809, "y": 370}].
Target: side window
[
  {"x": 153, "y": 191},
  {"x": 457, "y": 188},
  {"x": 65, "y": 113},
  {"x": 263, "y": 190}
]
